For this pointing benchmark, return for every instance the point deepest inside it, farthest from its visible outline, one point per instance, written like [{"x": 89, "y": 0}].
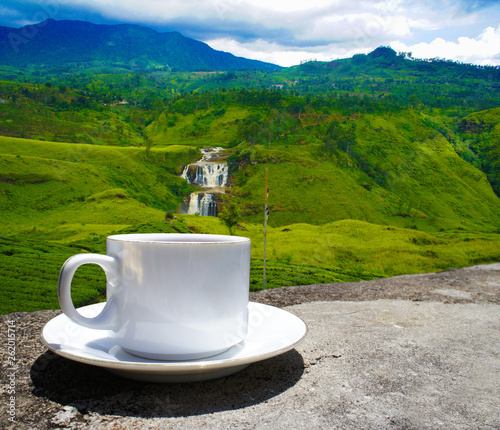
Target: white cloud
[
  {"x": 269, "y": 52},
  {"x": 351, "y": 27},
  {"x": 318, "y": 22},
  {"x": 8, "y": 11},
  {"x": 438, "y": 15},
  {"x": 484, "y": 49},
  {"x": 332, "y": 35},
  {"x": 288, "y": 31},
  {"x": 285, "y": 56},
  {"x": 284, "y": 6}
]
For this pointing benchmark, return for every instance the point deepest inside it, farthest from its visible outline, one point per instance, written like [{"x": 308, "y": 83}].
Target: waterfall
[
  {"x": 210, "y": 173},
  {"x": 203, "y": 204},
  {"x": 206, "y": 175}
]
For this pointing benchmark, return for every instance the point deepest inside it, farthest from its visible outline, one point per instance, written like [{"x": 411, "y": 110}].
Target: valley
[{"x": 378, "y": 166}]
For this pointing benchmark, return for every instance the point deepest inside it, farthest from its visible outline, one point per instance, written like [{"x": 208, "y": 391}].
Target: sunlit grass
[
  {"x": 355, "y": 246},
  {"x": 208, "y": 127},
  {"x": 298, "y": 254},
  {"x": 48, "y": 184},
  {"x": 61, "y": 199}
]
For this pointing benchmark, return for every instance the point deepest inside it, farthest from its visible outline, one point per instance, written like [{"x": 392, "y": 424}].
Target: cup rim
[{"x": 178, "y": 238}]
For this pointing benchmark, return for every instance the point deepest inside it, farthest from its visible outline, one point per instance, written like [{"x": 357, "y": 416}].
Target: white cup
[{"x": 169, "y": 296}]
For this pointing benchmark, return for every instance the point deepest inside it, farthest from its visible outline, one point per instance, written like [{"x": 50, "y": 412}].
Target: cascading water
[
  {"x": 203, "y": 204},
  {"x": 211, "y": 173},
  {"x": 206, "y": 175}
]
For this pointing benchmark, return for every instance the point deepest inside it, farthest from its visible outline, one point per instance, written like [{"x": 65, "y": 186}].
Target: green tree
[
  {"x": 149, "y": 143},
  {"x": 338, "y": 137},
  {"x": 231, "y": 215}
]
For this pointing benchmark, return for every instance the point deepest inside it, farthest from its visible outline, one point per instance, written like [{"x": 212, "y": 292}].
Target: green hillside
[
  {"x": 378, "y": 165},
  {"x": 298, "y": 254},
  {"x": 61, "y": 114},
  {"x": 392, "y": 168},
  {"x": 436, "y": 83},
  {"x": 480, "y": 133},
  {"x": 356, "y": 250},
  {"x": 202, "y": 128},
  {"x": 69, "y": 188}
]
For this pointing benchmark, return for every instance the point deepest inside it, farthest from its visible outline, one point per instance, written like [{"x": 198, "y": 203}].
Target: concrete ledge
[{"x": 378, "y": 364}]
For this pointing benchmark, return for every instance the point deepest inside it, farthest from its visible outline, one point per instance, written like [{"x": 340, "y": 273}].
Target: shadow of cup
[{"x": 93, "y": 389}]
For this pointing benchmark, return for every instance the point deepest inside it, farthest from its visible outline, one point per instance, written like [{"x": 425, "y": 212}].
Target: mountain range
[{"x": 56, "y": 43}]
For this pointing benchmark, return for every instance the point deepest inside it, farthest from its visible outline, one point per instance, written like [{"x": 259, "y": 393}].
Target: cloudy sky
[{"x": 287, "y": 32}]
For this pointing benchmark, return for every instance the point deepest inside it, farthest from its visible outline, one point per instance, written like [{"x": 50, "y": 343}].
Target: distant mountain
[{"x": 78, "y": 43}]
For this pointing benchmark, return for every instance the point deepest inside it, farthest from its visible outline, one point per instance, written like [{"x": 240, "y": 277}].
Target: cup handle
[{"x": 107, "y": 319}]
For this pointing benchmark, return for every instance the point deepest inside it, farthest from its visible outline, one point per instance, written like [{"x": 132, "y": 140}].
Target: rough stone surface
[
  {"x": 385, "y": 354},
  {"x": 482, "y": 282}
]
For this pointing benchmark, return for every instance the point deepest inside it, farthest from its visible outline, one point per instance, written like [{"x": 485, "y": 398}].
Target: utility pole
[{"x": 266, "y": 214}]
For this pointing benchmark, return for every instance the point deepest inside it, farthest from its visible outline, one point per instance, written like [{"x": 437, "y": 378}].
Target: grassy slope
[
  {"x": 422, "y": 167},
  {"x": 204, "y": 128},
  {"x": 424, "y": 184},
  {"x": 361, "y": 250},
  {"x": 72, "y": 193},
  {"x": 485, "y": 142},
  {"x": 34, "y": 116},
  {"x": 47, "y": 185},
  {"x": 489, "y": 118}
]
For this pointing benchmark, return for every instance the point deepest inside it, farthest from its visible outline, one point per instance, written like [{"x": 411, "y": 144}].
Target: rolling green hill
[
  {"x": 351, "y": 249},
  {"x": 432, "y": 83},
  {"x": 69, "y": 190},
  {"x": 391, "y": 168},
  {"x": 378, "y": 165}
]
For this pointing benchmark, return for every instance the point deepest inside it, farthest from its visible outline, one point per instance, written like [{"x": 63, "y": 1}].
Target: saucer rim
[{"x": 208, "y": 364}]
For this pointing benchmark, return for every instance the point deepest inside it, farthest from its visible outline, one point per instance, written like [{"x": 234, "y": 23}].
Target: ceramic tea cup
[{"x": 169, "y": 296}]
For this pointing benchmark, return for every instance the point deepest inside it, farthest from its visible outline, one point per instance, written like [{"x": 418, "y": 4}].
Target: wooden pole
[{"x": 266, "y": 213}]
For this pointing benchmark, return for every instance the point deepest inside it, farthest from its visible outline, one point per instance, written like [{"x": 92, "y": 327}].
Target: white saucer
[{"x": 271, "y": 332}]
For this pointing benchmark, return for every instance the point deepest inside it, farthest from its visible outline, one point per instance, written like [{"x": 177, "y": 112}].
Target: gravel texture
[{"x": 410, "y": 352}]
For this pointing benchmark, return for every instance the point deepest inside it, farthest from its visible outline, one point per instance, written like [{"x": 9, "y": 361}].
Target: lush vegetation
[
  {"x": 299, "y": 254},
  {"x": 378, "y": 165},
  {"x": 480, "y": 143},
  {"x": 61, "y": 114},
  {"x": 387, "y": 164},
  {"x": 55, "y": 186}
]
